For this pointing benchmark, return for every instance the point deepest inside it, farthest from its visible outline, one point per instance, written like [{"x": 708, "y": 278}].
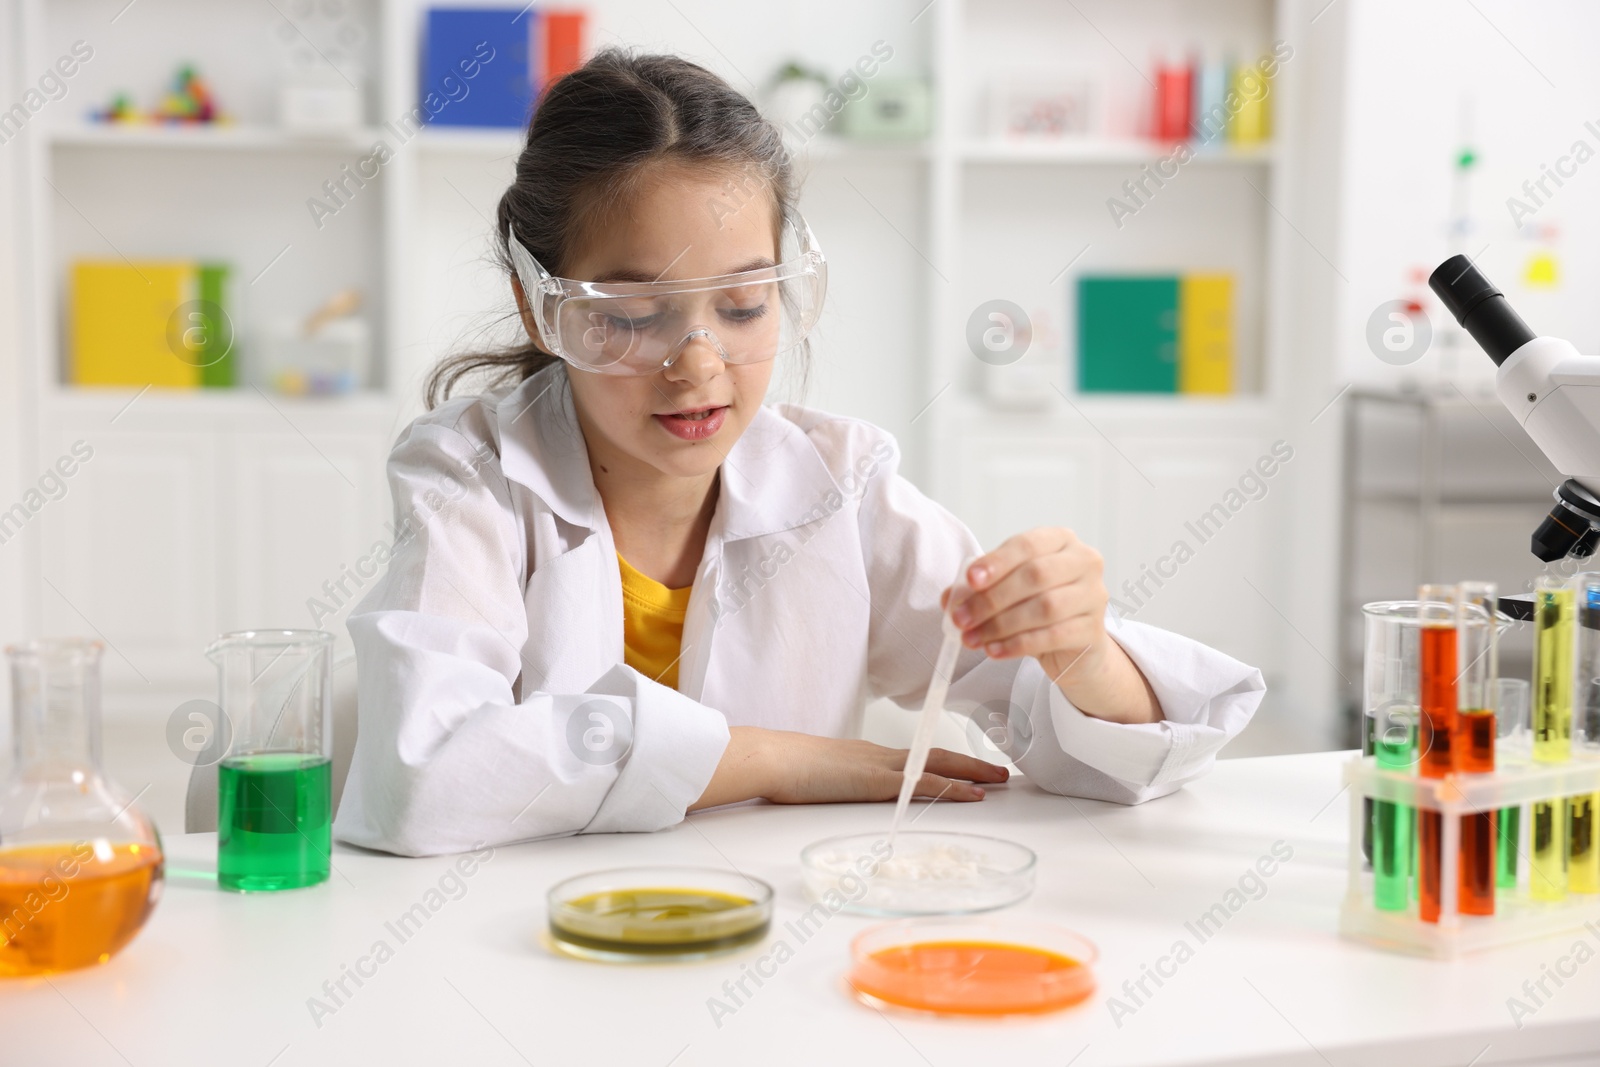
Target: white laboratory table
[{"x": 222, "y": 978}]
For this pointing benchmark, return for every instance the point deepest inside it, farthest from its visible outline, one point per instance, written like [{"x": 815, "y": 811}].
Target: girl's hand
[
  {"x": 1040, "y": 594},
  {"x": 786, "y": 767}
]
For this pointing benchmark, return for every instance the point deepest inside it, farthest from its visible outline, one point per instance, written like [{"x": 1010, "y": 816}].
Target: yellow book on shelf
[
  {"x": 1205, "y": 333},
  {"x": 120, "y": 321},
  {"x": 1252, "y": 123}
]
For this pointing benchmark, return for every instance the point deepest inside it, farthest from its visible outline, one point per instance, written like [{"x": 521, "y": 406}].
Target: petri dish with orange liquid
[{"x": 972, "y": 967}]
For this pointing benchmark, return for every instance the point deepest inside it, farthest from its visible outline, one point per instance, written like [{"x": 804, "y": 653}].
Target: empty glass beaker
[
  {"x": 1392, "y": 706},
  {"x": 274, "y": 802},
  {"x": 80, "y": 865}
]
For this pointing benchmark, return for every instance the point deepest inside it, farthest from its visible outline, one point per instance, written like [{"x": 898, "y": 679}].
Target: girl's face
[{"x": 682, "y": 420}]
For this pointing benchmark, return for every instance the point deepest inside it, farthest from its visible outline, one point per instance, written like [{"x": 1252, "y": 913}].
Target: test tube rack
[{"x": 1517, "y": 781}]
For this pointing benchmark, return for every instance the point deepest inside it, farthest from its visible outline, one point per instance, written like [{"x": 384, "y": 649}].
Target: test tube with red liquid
[{"x": 1472, "y": 744}]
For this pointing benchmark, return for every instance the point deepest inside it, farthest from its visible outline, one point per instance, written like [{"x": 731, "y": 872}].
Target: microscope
[{"x": 1551, "y": 390}]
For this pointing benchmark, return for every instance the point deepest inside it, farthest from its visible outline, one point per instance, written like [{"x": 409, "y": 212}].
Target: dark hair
[{"x": 596, "y": 132}]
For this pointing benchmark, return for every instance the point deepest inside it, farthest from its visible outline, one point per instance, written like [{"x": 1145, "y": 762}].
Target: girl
[{"x": 626, "y": 588}]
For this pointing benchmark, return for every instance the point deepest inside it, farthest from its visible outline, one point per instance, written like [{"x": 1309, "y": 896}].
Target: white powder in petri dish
[
  {"x": 936, "y": 863},
  {"x": 940, "y": 878}
]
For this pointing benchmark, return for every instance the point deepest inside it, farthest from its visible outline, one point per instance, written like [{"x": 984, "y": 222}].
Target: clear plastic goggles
[{"x": 641, "y": 327}]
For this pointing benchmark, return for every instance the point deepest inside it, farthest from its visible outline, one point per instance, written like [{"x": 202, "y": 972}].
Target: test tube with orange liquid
[{"x": 1436, "y": 614}]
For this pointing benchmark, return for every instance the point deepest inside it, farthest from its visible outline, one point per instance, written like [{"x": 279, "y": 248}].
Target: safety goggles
[{"x": 641, "y": 327}]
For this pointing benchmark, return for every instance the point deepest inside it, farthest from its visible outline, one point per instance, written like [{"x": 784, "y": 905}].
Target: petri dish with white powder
[{"x": 926, "y": 872}]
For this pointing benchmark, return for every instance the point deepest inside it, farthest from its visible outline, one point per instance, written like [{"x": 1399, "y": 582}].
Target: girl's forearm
[
  {"x": 786, "y": 767},
  {"x": 743, "y": 773},
  {"x": 1105, "y": 683}
]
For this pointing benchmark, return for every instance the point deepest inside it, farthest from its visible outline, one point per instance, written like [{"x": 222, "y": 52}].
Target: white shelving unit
[
  {"x": 228, "y": 137},
  {"x": 219, "y": 509},
  {"x": 1019, "y": 221},
  {"x": 206, "y": 510},
  {"x": 1107, "y": 152}
]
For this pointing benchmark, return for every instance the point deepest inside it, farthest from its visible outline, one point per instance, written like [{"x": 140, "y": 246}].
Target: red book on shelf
[
  {"x": 562, "y": 45},
  {"x": 1173, "y": 102}
]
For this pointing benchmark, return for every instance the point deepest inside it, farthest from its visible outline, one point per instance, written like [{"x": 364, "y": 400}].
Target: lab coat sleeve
[
  {"x": 457, "y": 748},
  {"x": 915, "y": 547},
  {"x": 1206, "y": 698}
]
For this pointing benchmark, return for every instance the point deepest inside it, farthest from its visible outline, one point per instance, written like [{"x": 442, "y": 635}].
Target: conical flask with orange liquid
[{"x": 80, "y": 864}]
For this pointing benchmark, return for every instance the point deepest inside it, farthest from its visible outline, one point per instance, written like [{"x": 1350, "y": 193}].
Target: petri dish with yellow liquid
[
  {"x": 641, "y": 914},
  {"x": 972, "y": 967}
]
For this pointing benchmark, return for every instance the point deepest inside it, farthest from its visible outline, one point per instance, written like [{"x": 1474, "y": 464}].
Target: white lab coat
[{"x": 494, "y": 702}]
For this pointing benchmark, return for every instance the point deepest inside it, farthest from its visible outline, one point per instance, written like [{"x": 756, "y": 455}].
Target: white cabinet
[
  {"x": 130, "y": 551},
  {"x": 304, "y": 513},
  {"x": 1192, "y": 548},
  {"x": 1184, "y": 518},
  {"x": 164, "y": 538},
  {"x": 1008, "y": 486}
]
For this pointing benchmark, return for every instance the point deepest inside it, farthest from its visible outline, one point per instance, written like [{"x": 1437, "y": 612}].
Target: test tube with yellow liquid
[
  {"x": 1583, "y": 811},
  {"x": 1554, "y": 603}
]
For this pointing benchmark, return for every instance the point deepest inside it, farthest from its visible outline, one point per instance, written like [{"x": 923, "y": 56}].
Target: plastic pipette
[{"x": 938, "y": 688}]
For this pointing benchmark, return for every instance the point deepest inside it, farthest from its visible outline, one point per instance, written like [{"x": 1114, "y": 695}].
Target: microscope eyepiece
[{"x": 1480, "y": 308}]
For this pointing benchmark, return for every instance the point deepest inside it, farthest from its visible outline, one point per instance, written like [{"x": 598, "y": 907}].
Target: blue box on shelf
[{"x": 476, "y": 66}]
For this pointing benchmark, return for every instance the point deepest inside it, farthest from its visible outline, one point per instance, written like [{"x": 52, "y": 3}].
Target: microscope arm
[
  {"x": 1555, "y": 394},
  {"x": 1552, "y": 392}
]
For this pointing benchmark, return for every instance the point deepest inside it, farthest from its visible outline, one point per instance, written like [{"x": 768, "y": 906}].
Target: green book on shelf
[
  {"x": 1128, "y": 334},
  {"x": 220, "y": 368}
]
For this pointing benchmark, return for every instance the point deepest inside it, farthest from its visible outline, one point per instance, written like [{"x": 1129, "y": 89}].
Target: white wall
[
  {"x": 12, "y": 451},
  {"x": 1514, "y": 81},
  {"x": 1304, "y": 710}
]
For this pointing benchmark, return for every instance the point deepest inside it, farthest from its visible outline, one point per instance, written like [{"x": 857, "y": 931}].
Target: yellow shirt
[{"x": 652, "y": 625}]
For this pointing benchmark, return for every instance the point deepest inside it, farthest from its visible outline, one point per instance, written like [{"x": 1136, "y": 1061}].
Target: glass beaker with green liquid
[{"x": 274, "y": 802}]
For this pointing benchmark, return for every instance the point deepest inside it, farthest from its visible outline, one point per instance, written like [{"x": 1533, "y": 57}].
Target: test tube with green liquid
[
  {"x": 1511, "y": 723},
  {"x": 1583, "y": 811},
  {"x": 1390, "y": 711},
  {"x": 1393, "y": 837},
  {"x": 1367, "y": 749},
  {"x": 1554, "y": 606}
]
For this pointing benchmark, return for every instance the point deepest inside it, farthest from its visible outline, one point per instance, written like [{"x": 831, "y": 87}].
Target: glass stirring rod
[{"x": 938, "y": 688}]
